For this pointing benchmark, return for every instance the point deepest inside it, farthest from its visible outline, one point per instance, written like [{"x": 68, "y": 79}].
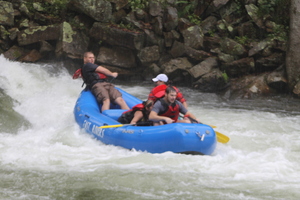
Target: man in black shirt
[{"x": 95, "y": 77}]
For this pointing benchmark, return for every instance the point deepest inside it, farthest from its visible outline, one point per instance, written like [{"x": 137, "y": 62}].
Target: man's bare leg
[
  {"x": 120, "y": 101},
  {"x": 106, "y": 104}
]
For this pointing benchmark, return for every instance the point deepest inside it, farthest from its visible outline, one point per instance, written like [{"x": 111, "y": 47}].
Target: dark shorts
[{"x": 105, "y": 90}]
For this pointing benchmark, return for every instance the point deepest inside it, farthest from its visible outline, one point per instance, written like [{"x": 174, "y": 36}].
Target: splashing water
[{"x": 51, "y": 158}]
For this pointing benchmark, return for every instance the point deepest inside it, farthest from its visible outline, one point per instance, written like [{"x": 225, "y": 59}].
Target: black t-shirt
[
  {"x": 89, "y": 74},
  {"x": 89, "y": 67}
]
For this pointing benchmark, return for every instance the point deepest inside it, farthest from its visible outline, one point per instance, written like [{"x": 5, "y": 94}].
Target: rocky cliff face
[{"x": 230, "y": 46}]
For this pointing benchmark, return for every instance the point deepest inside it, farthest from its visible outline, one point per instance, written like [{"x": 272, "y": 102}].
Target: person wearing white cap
[
  {"x": 162, "y": 78},
  {"x": 161, "y": 82}
]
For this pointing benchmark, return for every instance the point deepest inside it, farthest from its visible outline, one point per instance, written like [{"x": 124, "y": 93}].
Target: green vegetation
[
  {"x": 53, "y": 8},
  {"x": 138, "y": 4},
  {"x": 126, "y": 26},
  {"x": 240, "y": 5},
  {"x": 194, "y": 19},
  {"x": 225, "y": 76},
  {"x": 186, "y": 9},
  {"x": 244, "y": 40},
  {"x": 212, "y": 32},
  {"x": 277, "y": 9},
  {"x": 280, "y": 33}
]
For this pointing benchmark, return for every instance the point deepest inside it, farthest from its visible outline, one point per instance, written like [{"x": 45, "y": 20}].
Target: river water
[{"x": 44, "y": 154}]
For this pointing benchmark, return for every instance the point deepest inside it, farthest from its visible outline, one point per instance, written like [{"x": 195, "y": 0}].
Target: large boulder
[
  {"x": 204, "y": 67},
  {"x": 71, "y": 43},
  {"x": 32, "y": 56},
  {"x": 296, "y": 89},
  {"x": 14, "y": 53},
  {"x": 117, "y": 56},
  {"x": 6, "y": 13},
  {"x": 193, "y": 37},
  {"x": 277, "y": 80},
  {"x": 100, "y": 10},
  {"x": 232, "y": 47},
  {"x": 149, "y": 55},
  {"x": 171, "y": 18},
  {"x": 11, "y": 121},
  {"x": 38, "y": 33},
  {"x": 117, "y": 36},
  {"x": 176, "y": 64},
  {"x": 213, "y": 81},
  {"x": 239, "y": 67}
]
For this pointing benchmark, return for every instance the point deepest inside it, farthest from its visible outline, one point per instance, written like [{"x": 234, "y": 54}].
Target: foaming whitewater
[{"x": 53, "y": 159}]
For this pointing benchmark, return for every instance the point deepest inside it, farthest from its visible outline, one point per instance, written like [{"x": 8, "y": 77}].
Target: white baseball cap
[{"x": 160, "y": 77}]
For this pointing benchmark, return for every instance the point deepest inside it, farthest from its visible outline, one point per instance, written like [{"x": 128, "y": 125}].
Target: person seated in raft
[
  {"x": 139, "y": 114},
  {"x": 167, "y": 109},
  {"x": 95, "y": 77},
  {"x": 161, "y": 82}
]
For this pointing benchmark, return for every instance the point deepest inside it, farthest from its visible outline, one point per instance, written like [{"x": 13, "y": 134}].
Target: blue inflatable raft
[{"x": 176, "y": 137}]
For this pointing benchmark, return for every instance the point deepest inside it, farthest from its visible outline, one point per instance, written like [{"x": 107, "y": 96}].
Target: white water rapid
[{"x": 53, "y": 159}]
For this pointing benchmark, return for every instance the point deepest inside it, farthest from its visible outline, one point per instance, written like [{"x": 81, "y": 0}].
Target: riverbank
[{"x": 225, "y": 47}]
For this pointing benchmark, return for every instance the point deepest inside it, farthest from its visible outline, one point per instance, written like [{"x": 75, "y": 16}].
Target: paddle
[
  {"x": 116, "y": 125},
  {"x": 220, "y": 137},
  {"x": 147, "y": 123}
]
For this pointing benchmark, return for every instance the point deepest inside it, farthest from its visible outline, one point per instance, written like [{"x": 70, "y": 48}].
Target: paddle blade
[
  {"x": 212, "y": 126},
  {"x": 222, "y": 138}
]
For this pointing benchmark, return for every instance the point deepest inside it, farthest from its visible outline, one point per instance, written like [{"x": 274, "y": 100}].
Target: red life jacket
[
  {"x": 159, "y": 92},
  {"x": 171, "y": 110},
  {"x": 137, "y": 107},
  {"x": 78, "y": 74}
]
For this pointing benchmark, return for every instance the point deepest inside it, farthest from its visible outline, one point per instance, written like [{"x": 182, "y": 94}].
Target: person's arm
[
  {"x": 137, "y": 116},
  {"x": 189, "y": 115},
  {"x": 181, "y": 98},
  {"x": 185, "y": 104},
  {"x": 105, "y": 71},
  {"x": 155, "y": 117},
  {"x": 154, "y": 114}
]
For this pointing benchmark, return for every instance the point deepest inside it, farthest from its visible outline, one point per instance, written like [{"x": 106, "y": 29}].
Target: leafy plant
[
  {"x": 280, "y": 33},
  {"x": 244, "y": 40},
  {"x": 185, "y": 8},
  {"x": 138, "y": 4},
  {"x": 53, "y": 8},
  {"x": 126, "y": 26},
  {"x": 211, "y": 32},
  {"x": 225, "y": 76},
  {"x": 194, "y": 19},
  {"x": 277, "y": 9}
]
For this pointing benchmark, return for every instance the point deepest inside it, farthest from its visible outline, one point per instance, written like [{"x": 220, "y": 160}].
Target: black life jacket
[
  {"x": 128, "y": 115},
  {"x": 90, "y": 78},
  {"x": 171, "y": 110}
]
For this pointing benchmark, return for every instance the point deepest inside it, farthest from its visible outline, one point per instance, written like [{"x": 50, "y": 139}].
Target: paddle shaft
[{"x": 146, "y": 123}]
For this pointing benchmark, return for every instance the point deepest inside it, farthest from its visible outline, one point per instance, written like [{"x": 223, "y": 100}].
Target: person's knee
[
  {"x": 119, "y": 100},
  {"x": 105, "y": 101}
]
